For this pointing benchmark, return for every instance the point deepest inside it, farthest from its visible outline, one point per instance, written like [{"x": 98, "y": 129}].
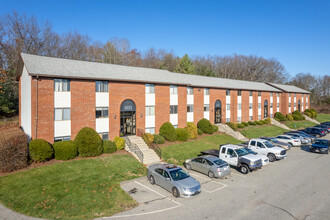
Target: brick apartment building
[{"x": 58, "y": 97}]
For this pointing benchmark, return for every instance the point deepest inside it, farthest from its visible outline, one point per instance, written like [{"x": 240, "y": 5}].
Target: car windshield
[
  {"x": 321, "y": 142},
  {"x": 179, "y": 174},
  {"x": 219, "y": 162},
  {"x": 274, "y": 140},
  {"x": 250, "y": 151},
  {"x": 268, "y": 144},
  {"x": 241, "y": 152}
]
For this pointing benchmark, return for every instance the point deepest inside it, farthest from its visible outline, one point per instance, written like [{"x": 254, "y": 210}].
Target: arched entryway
[
  {"x": 217, "y": 112},
  {"x": 299, "y": 105},
  {"x": 127, "y": 118},
  {"x": 266, "y": 109}
]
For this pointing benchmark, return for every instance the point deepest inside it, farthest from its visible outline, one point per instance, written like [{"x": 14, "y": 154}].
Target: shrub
[
  {"x": 296, "y": 113},
  {"x": 308, "y": 114},
  {"x": 215, "y": 128},
  {"x": 182, "y": 134},
  {"x": 40, "y": 150},
  {"x": 314, "y": 113},
  {"x": 264, "y": 122},
  {"x": 252, "y": 123},
  {"x": 205, "y": 125},
  {"x": 303, "y": 117},
  {"x": 109, "y": 147},
  {"x": 240, "y": 125},
  {"x": 232, "y": 125},
  {"x": 14, "y": 148},
  {"x": 148, "y": 138},
  {"x": 296, "y": 117},
  {"x": 279, "y": 116},
  {"x": 168, "y": 131},
  {"x": 258, "y": 122},
  {"x": 88, "y": 142},
  {"x": 158, "y": 139},
  {"x": 192, "y": 130},
  {"x": 200, "y": 132},
  {"x": 65, "y": 150},
  {"x": 245, "y": 124},
  {"x": 268, "y": 120},
  {"x": 119, "y": 142},
  {"x": 289, "y": 117}
]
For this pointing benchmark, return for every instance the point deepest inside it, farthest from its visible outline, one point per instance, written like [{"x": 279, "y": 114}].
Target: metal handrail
[
  {"x": 134, "y": 148},
  {"x": 153, "y": 146}
]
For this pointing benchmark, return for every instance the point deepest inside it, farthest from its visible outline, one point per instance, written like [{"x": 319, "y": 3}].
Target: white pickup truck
[{"x": 266, "y": 148}]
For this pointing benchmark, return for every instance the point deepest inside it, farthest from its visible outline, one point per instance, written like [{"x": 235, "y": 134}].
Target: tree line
[{"x": 22, "y": 33}]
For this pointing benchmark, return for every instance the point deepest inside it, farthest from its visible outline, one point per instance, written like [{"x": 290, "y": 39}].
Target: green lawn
[
  {"x": 259, "y": 131},
  {"x": 178, "y": 153},
  {"x": 81, "y": 189},
  {"x": 323, "y": 117},
  {"x": 299, "y": 124}
]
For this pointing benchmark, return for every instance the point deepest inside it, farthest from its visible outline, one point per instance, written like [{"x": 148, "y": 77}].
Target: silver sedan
[{"x": 209, "y": 165}]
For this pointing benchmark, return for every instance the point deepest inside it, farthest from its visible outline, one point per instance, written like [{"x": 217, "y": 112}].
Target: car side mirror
[{"x": 168, "y": 179}]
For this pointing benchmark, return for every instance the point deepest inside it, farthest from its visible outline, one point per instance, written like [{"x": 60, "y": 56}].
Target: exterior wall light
[
  {"x": 141, "y": 115},
  {"x": 114, "y": 116}
]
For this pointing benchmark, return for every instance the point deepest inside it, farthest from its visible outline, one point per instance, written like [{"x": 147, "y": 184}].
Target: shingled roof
[
  {"x": 288, "y": 88},
  {"x": 67, "y": 68}
]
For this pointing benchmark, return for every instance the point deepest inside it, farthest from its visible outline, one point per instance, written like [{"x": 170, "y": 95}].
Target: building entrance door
[
  {"x": 217, "y": 112},
  {"x": 266, "y": 109},
  {"x": 127, "y": 118},
  {"x": 299, "y": 105}
]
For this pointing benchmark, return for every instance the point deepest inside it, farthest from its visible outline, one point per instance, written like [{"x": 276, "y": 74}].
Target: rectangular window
[
  {"x": 271, "y": 115},
  {"x": 173, "y": 89},
  {"x": 104, "y": 135},
  {"x": 206, "y": 108},
  {"x": 289, "y": 94},
  {"x": 294, "y": 94},
  {"x": 150, "y": 88},
  {"x": 206, "y": 91},
  {"x": 259, "y": 117},
  {"x": 102, "y": 112},
  {"x": 251, "y": 93},
  {"x": 250, "y": 106},
  {"x": 278, "y": 104},
  {"x": 228, "y": 92},
  {"x": 239, "y": 106},
  {"x": 190, "y": 90},
  {"x": 101, "y": 86},
  {"x": 259, "y": 105},
  {"x": 239, "y": 119},
  {"x": 227, "y": 119},
  {"x": 175, "y": 126},
  {"x": 173, "y": 109},
  {"x": 190, "y": 108},
  {"x": 150, "y": 130},
  {"x": 278, "y": 94},
  {"x": 290, "y": 104},
  {"x": 61, "y": 85},
  {"x": 295, "y": 105},
  {"x": 63, "y": 138},
  {"x": 271, "y": 94},
  {"x": 259, "y": 93},
  {"x": 271, "y": 105},
  {"x": 62, "y": 114},
  {"x": 239, "y": 93},
  {"x": 150, "y": 110},
  {"x": 250, "y": 118},
  {"x": 228, "y": 106}
]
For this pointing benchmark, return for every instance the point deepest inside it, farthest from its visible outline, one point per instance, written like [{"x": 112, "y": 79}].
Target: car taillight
[
  {"x": 322, "y": 132},
  {"x": 219, "y": 171},
  {"x": 295, "y": 141}
]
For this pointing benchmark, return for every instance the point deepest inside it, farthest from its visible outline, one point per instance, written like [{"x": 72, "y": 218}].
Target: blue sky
[{"x": 297, "y": 33}]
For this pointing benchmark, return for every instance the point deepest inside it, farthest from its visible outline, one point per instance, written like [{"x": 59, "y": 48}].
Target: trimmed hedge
[
  {"x": 65, "y": 150},
  {"x": 258, "y": 122},
  {"x": 192, "y": 130},
  {"x": 296, "y": 117},
  {"x": 119, "y": 142},
  {"x": 205, "y": 125},
  {"x": 232, "y": 125},
  {"x": 168, "y": 131},
  {"x": 200, "y": 132},
  {"x": 182, "y": 134},
  {"x": 148, "y": 138},
  {"x": 89, "y": 143},
  {"x": 264, "y": 122},
  {"x": 245, "y": 124},
  {"x": 252, "y": 123},
  {"x": 289, "y": 117},
  {"x": 280, "y": 117},
  {"x": 312, "y": 112},
  {"x": 268, "y": 120},
  {"x": 240, "y": 125},
  {"x": 215, "y": 128},
  {"x": 40, "y": 150},
  {"x": 109, "y": 147},
  {"x": 158, "y": 139},
  {"x": 308, "y": 114}
]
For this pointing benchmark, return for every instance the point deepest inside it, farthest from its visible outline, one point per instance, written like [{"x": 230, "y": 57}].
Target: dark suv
[
  {"x": 317, "y": 132},
  {"x": 321, "y": 146}
]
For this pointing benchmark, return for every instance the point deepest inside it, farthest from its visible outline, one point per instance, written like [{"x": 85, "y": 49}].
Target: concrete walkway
[{"x": 8, "y": 214}]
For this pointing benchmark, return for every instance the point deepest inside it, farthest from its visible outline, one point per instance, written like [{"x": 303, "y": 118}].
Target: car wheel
[
  {"x": 211, "y": 174},
  {"x": 291, "y": 145},
  {"x": 271, "y": 157},
  {"x": 244, "y": 169},
  {"x": 152, "y": 180},
  {"x": 188, "y": 166},
  {"x": 311, "y": 149},
  {"x": 175, "y": 192}
]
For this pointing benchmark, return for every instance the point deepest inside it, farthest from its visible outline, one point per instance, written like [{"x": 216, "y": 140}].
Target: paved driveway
[{"x": 294, "y": 188}]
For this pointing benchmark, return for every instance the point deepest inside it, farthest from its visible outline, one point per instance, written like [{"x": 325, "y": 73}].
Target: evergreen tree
[{"x": 185, "y": 66}]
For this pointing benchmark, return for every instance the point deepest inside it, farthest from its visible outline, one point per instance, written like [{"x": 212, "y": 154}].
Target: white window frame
[
  {"x": 150, "y": 88},
  {"x": 62, "y": 114},
  {"x": 150, "y": 110}
]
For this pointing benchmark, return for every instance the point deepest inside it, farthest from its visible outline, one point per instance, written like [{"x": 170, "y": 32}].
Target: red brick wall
[
  {"x": 284, "y": 103},
  {"x": 255, "y": 105},
  {"x": 19, "y": 102},
  {"x": 82, "y": 105},
  {"x": 162, "y": 96},
  {"x": 45, "y": 125},
  {"x": 119, "y": 92},
  {"x": 245, "y": 105},
  {"x": 216, "y": 94},
  {"x": 182, "y": 106},
  {"x": 233, "y": 105},
  {"x": 198, "y": 104}
]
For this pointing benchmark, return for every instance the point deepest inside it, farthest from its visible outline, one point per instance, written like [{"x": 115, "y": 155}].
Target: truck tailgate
[{"x": 212, "y": 152}]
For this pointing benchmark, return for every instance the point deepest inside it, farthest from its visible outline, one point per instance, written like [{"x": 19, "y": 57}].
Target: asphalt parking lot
[{"x": 294, "y": 188}]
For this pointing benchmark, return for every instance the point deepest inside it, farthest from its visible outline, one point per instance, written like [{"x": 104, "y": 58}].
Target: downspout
[{"x": 37, "y": 78}]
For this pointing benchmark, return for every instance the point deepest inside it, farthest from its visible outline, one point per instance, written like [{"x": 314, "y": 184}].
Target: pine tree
[{"x": 185, "y": 66}]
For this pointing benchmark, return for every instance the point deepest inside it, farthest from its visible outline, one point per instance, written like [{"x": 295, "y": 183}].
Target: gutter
[{"x": 36, "y": 127}]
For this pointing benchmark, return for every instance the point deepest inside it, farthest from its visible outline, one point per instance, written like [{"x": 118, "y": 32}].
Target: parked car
[
  {"x": 266, "y": 148},
  {"x": 304, "y": 140},
  {"x": 304, "y": 133},
  {"x": 236, "y": 156},
  {"x": 209, "y": 165},
  {"x": 264, "y": 159},
  {"x": 277, "y": 143},
  {"x": 174, "y": 179},
  {"x": 324, "y": 127},
  {"x": 314, "y": 131},
  {"x": 321, "y": 146},
  {"x": 294, "y": 142},
  {"x": 326, "y": 123}
]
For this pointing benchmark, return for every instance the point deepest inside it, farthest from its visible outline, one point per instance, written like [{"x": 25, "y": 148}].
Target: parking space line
[
  {"x": 150, "y": 189},
  {"x": 238, "y": 174},
  {"x": 223, "y": 185}
]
